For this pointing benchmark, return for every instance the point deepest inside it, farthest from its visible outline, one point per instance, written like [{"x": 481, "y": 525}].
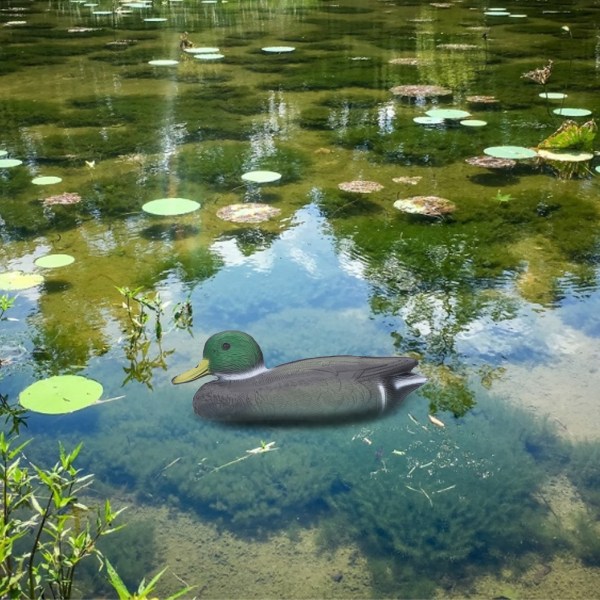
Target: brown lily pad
[
  {"x": 408, "y": 180},
  {"x": 427, "y": 206},
  {"x": 66, "y": 198},
  {"x": 249, "y": 212},
  {"x": 457, "y": 47},
  {"x": 491, "y": 162},
  {"x": 420, "y": 91},
  {"x": 360, "y": 187}
]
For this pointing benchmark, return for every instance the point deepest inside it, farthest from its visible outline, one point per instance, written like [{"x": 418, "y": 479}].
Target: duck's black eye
[{"x": 226, "y": 346}]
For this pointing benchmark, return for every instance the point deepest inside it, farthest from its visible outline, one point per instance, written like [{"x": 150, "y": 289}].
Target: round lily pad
[
  {"x": 360, "y": 186},
  {"x": 102, "y": 13},
  {"x": 167, "y": 207},
  {"x": 52, "y": 261},
  {"x": 47, "y": 180},
  {"x": 202, "y": 50},
  {"x": 209, "y": 56},
  {"x": 517, "y": 16},
  {"x": 597, "y": 169},
  {"x": 420, "y": 91},
  {"x": 278, "y": 49},
  {"x": 473, "y": 123},
  {"x": 491, "y": 162},
  {"x": 261, "y": 176},
  {"x": 428, "y": 121},
  {"x": 565, "y": 156},
  {"x": 60, "y": 394},
  {"x": 552, "y": 95},
  {"x": 163, "y": 63},
  {"x": 448, "y": 113},
  {"x": 572, "y": 112},
  {"x": 496, "y": 13},
  {"x": 426, "y": 206},
  {"x": 3, "y": 153},
  {"x": 514, "y": 152},
  {"x": 250, "y": 212},
  {"x": 7, "y": 163},
  {"x": 17, "y": 280},
  {"x": 155, "y": 20}
]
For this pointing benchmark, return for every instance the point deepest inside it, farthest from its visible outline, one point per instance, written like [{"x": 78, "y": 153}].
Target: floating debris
[
  {"x": 457, "y": 47},
  {"x": 83, "y": 29},
  {"x": 483, "y": 100},
  {"x": 360, "y": 187},
  {"x": 409, "y": 60},
  {"x": 427, "y": 206},
  {"x": 420, "y": 91},
  {"x": 408, "y": 180},
  {"x": 541, "y": 75},
  {"x": 66, "y": 198},
  {"x": 250, "y": 212},
  {"x": 491, "y": 162},
  {"x": 436, "y": 421}
]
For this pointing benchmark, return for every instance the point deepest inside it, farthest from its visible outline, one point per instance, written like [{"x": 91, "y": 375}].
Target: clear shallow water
[{"x": 499, "y": 302}]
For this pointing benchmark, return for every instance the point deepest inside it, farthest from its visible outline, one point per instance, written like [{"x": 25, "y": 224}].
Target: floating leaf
[
  {"x": 428, "y": 121},
  {"x": 360, "y": 187},
  {"x": 170, "y": 206},
  {"x": 483, "y": 100},
  {"x": 61, "y": 394},
  {"x": 209, "y": 56},
  {"x": 163, "y": 63},
  {"x": 66, "y": 198},
  {"x": 261, "y": 176},
  {"x": 514, "y": 152},
  {"x": 449, "y": 114},
  {"x": 250, "y": 212},
  {"x": 52, "y": 261},
  {"x": 565, "y": 156},
  {"x": 491, "y": 162},
  {"x": 202, "y": 50},
  {"x": 7, "y": 163},
  {"x": 552, "y": 95},
  {"x": 3, "y": 153},
  {"x": 572, "y": 112},
  {"x": 17, "y": 280},
  {"x": 155, "y": 20},
  {"x": 473, "y": 123},
  {"x": 278, "y": 49},
  {"x": 420, "y": 91},
  {"x": 427, "y": 206},
  {"x": 46, "y": 180}
]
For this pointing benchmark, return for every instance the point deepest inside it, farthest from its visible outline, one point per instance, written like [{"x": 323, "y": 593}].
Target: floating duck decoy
[{"x": 326, "y": 388}]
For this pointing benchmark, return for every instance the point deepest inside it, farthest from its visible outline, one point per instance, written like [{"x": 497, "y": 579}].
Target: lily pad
[
  {"x": 565, "y": 156},
  {"x": 155, "y": 20},
  {"x": 7, "y": 163},
  {"x": 473, "y": 123},
  {"x": 420, "y": 91},
  {"x": 163, "y": 63},
  {"x": 209, "y": 56},
  {"x": 261, "y": 176},
  {"x": 450, "y": 114},
  {"x": 597, "y": 169},
  {"x": 46, "y": 180},
  {"x": 60, "y": 394},
  {"x": 278, "y": 49},
  {"x": 202, "y": 50},
  {"x": 52, "y": 261},
  {"x": 66, "y": 198},
  {"x": 483, "y": 100},
  {"x": 514, "y": 152},
  {"x": 102, "y": 13},
  {"x": 428, "y": 121},
  {"x": 552, "y": 95},
  {"x": 496, "y": 13},
  {"x": 360, "y": 186},
  {"x": 17, "y": 280},
  {"x": 491, "y": 162},
  {"x": 3, "y": 153},
  {"x": 249, "y": 212},
  {"x": 427, "y": 206},
  {"x": 572, "y": 112},
  {"x": 166, "y": 207}
]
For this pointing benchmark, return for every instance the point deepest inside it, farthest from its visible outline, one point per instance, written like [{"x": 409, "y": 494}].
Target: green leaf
[{"x": 117, "y": 582}]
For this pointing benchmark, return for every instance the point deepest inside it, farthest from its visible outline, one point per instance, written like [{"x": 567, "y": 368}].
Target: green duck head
[{"x": 227, "y": 354}]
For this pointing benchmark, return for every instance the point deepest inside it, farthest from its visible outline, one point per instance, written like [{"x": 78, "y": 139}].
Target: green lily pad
[
  {"x": 278, "y": 49},
  {"x": 3, "y": 153},
  {"x": 496, "y": 13},
  {"x": 428, "y": 121},
  {"x": 155, "y": 20},
  {"x": 552, "y": 95},
  {"x": 209, "y": 56},
  {"x": 473, "y": 123},
  {"x": 7, "y": 163},
  {"x": 163, "y": 63},
  {"x": 46, "y": 180},
  {"x": 514, "y": 152},
  {"x": 17, "y": 280},
  {"x": 52, "y": 261},
  {"x": 202, "y": 50},
  {"x": 261, "y": 176},
  {"x": 102, "y": 13},
  {"x": 60, "y": 394},
  {"x": 597, "y": 169},
  {"x": 572, "y": 112},
  {"x": 168, "y": 207},
  {"x": 448, "y": 113},
  {"x": 517, "y": 16}
]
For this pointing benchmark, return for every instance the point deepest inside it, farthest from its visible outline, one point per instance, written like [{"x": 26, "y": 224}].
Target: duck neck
[{"x": 253, "y": 372}]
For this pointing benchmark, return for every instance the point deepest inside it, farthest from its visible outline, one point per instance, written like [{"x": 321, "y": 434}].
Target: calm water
[{"x": 499, "y": 301}]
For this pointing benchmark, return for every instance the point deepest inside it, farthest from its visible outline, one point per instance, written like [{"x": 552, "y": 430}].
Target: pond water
[{"x": 498, "y": 298}]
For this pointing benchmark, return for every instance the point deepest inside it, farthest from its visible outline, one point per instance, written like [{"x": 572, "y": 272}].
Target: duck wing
[{"x": 315, "y": 389}]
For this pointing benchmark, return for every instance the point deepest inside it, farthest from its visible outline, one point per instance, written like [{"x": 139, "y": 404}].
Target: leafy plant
[
  {"x": 42, "y": 511},
  {"x": 144, "y": 590},
  {"x": 571, "y": 136},
  {"x": 500, "y": 197},
  {"x": 6, "y": 302}
]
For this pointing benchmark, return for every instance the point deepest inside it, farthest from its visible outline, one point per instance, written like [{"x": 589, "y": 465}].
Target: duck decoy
[{"x": 327, "y": 388}]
